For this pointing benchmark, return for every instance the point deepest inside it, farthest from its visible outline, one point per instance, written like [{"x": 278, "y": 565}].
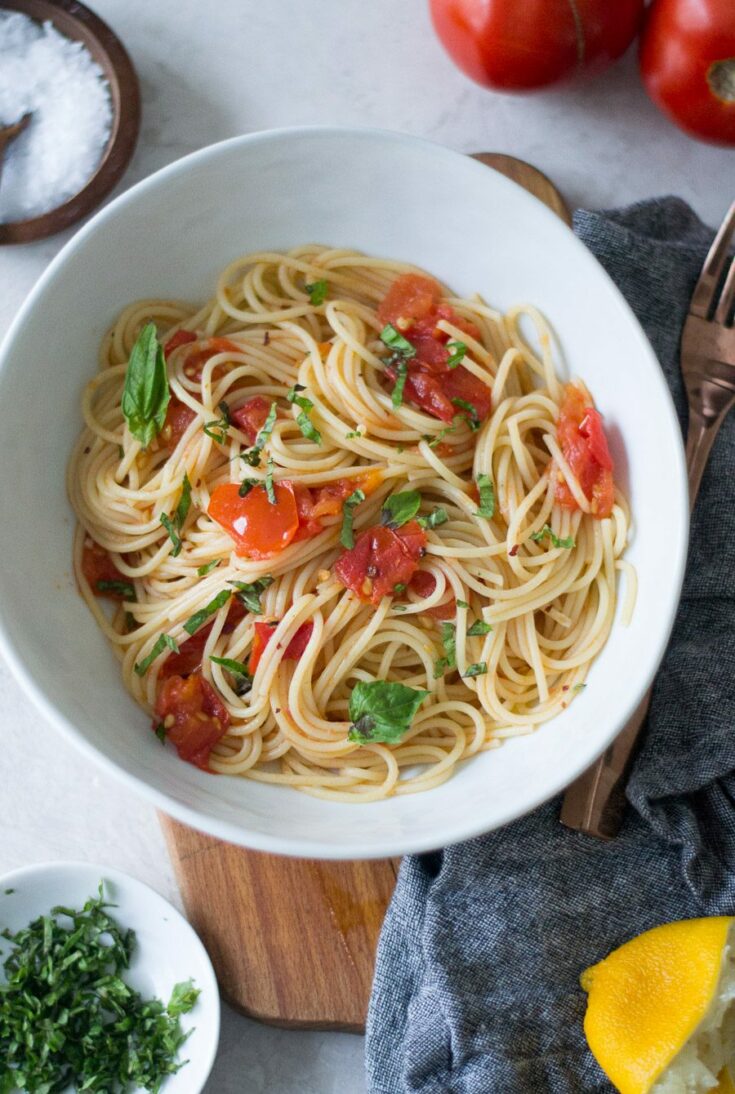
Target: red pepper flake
[
  {"x": 267, "y": 338},
  {"x": 565, "y": 687},
  {"x": 514, "y": 550}
]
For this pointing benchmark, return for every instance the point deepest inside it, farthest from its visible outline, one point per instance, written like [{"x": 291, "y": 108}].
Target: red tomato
[
  {"x": 582, "y": 440},
  {"x": 181, "y": 338},
  {"x": 193, "y": 716},
  {"x": 178, "y": 418},
  {"x": 198, "y": 358},
  {"x": 250, "y": 417},
  {"x": 423, "y": 584},
  {"x": 381, "y": 559},
  {"x": 688, "y": 65},
  {"x": 518, "y": 45},
  {"x": 189, "y": 657},
  {"x": 316, "y": 502},
  {"x": 262, "y": 636},
  {"x": 258, "y": 528},
  {"x": 97, "y": 565}
]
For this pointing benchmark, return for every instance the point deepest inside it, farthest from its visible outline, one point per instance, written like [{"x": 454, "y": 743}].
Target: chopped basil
[
  {"x": 487, "y": 497},
  {"x": 346, "y": 537},
  {"x": 252, "y": 456},
  {"x": 246, "y": 486},
  {"x": 399, "y": 588},
  {"x": 195, "y": 621},
  {"x": 479, "y": 627},
  {"x": 269, "y": 487},
  {"x": 162, "y": 642},
  {"x": 120, "y": 588},
  {"x": 182, "y": 509},
  {"x": 398, "y": 509},
  {"x": 478, "y": 669},
  {"x": 457, "y": 356},
  {"x": 393, "y": 338},
  {"x": 400, "y": 607},
  {"x": 217, "y": 430},
  {"x": 237, "y": 668},
  {"x": 353, "y": 433},
  {"x": 249, "y": 592},
  {"x": 473, "y": 421},
  {"x": 436, "y": 440},
  {"x": 173, "y": 533},
  {"x": 435, "y": 518},
  {"x": 449, "y": 641},
  {"x": 146, "y": 395},
  {"x": 317, "y": 292},
  {"x": 207, "y": 568},
  {"x": 302, "y": 418},
  {"x": 579, "y": 687},
  {"x": 381, "y": 711},
  {"x": 556, "y": 542},
  {"x": 462, "y": 604},
  {"x": 160, "y": 732},
  {"x": 401, "y": 374}
]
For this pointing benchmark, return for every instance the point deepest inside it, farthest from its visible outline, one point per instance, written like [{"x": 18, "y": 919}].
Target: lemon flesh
[{"x": 660, "y": 1017}]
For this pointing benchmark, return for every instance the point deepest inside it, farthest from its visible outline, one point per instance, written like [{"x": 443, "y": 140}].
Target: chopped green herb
[
  {"x": 160, "y": 732},
  {"x": 302, "y": 418},
  {"x": 400, "y": 607},
  {"x": 269, "y": 487},
  {"x": 317, "y": 292},
  {"x": 398, "y": 509},
  {"x": 479, "y": 627},
  {"x": 381, "y": 711},
  {"x": 121, "y": 451},
  {"x": 471, "y": 417},
  {"x": 251, "y": 457},
  {"x": 119, "y": 588},
  {"x": 457, "y": 356},
  {"x": 478, "y": 669},
  {"x": 195, "y": 621},
  {"x": 462, "y": 604},
  {"x": 174, "y": 527},
  {"x": 237, "y": 668},
  {"x": 353, "y": 433},
  {"x": 449, "y": 641},
  {"x": 399, "y": 588},
  {"x": 217, "y": 430},
  {"x": 162, "y": 642},
  {"x": 207, "y": 568},
  {"x": 173, "y": 534},
  {"x": 579, "y": 687},
  {"x": 435, "y": 518},
  {"x": 401, "y": 374},
  {"x": 556, "y": 542},
  {"x": 346, "y": 536},
  {"x": 246, "y": 486},
  {"x": 130, "y": 623},
  {"x": 487, "y": 497},
  {"x": 9, "y": 892},
  {"x": 145, "y": 393},
  {"x": 70, "y": 1020},
  {"x": 249, "y": 592},
  {"x": 439, "y": 437},
  {"x": 395, "y": 341}
]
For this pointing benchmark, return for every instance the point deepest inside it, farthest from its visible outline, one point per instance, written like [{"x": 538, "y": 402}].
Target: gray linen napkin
[{"x": 476, "y": 987}]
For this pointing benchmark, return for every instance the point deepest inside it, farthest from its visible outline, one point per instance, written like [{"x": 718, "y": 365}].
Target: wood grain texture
[{"x": 293, "y": 941}]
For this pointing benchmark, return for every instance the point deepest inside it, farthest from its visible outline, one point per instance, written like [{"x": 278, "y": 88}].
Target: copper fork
[{"x": 595, "y": 802}]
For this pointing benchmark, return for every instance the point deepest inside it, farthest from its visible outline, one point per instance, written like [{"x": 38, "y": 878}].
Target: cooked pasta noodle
[{"x": 539, "y": 609}]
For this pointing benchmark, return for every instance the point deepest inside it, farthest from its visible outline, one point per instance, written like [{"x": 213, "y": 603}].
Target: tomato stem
[{"x": 721, "y": 80}]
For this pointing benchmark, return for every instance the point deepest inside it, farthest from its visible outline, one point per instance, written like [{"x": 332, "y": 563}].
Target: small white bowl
[
  {"x": 167, "y": 949},
  {"x": 171, "y": 235}
]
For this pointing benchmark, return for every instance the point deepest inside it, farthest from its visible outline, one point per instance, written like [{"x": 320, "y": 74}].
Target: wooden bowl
[{"x": 82, "y": 25}]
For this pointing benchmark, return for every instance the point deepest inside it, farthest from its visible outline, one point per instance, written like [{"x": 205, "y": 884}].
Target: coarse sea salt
[{"x": 55, "y": 79}]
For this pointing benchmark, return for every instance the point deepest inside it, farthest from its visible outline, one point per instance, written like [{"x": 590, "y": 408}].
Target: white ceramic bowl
[
  {"x": 167, "y": 948},
  {"x": 170, "y": 236}
]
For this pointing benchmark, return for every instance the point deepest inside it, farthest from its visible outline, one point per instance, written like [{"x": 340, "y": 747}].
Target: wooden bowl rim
[{"x": 126, "y": 108}]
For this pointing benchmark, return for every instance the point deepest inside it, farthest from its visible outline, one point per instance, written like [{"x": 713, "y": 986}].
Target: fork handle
[{"x": 595, "y": 802}]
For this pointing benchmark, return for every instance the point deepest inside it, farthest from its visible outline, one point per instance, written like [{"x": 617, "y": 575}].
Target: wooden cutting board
[{"x": 293, "y": 940}]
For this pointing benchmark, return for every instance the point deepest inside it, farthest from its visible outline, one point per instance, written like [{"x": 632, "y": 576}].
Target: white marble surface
[{"x": 213, "y": 70}]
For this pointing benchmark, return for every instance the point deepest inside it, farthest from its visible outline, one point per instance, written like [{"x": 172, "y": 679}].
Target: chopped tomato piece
[
  {"x": 582, "y": 439},
  {"x": 181, "y": 338},
  {"x": 178, "y": 418},
  {"x": 97, "y": 566},
  {"x": 193, "y": 716},
  {"x": 250, "y": 417},
  {"x": 381, "y": 558},
  {"x": 316, "y": 502},
  {"x": 263, "y": 634},
  {"x": 258, "y": 528},
  {"x": 414, "y": 306},
  {"x": 423, "y": 584},
  {"x": 189, "y": 657},
  {"x": 198, "y": 358}
]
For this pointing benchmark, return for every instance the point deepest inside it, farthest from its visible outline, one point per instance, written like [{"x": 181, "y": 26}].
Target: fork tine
[
  {"x": 714, "y": 263},
  {"x": 727, "y": 296}
]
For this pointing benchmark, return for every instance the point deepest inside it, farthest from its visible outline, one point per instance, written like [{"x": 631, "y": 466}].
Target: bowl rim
[
  {"x": 124, "y": 130},
  {"x": 375, "y": 846}
]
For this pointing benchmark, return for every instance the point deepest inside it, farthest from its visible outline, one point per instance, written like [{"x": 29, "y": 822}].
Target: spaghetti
[{"x": 357, "y": 529}]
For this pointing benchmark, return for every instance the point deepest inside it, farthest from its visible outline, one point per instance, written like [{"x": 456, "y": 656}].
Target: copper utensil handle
[{"x": 595, "y": 802}]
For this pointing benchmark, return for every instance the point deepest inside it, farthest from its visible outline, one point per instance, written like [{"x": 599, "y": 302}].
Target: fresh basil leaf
[
  {"x": 293, "y": 396},
  {"x": 435, "y": 518},
  {"x": 317, "y": 292},
  {"x": 237, "y": 668},
  {"x": 217, "y": 430},
  {"x": 346, "y": 536},
  {"x": 478, "y": 669},
  {"x": 458, "y": 349},
  {"x": 173, "y": 534},
  {"x": 195, "y": 621},
  {"x": 302, "y": 418},
  {"x": 566, "y": 543},
  {"x": 393, "y": 338},
  {"x": 121, "y": 588},
  {"x": 398, "y": 509},
  {"x": 396, "y": 397},
  {"x": 382, "y": 711},
  {"x": 487, "y": 497},
  {"x": 472, "y": 417},
  {"x": 449, "y": 641},
  {"x": 207, "y": 568},
  {"x": 269, "y": 487},
  {"x": 249, "y": 592},
  {"x": 146, "y": 395},
  {"x": 479, "y": 627},
  {"x": 162, "y": 642}
]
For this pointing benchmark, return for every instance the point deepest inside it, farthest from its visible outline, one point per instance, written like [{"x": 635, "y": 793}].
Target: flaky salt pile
[{"x": 55, "y": 79}]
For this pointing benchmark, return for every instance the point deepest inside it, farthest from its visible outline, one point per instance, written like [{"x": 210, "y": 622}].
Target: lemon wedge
[{"x": 660, "y": 1010}]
